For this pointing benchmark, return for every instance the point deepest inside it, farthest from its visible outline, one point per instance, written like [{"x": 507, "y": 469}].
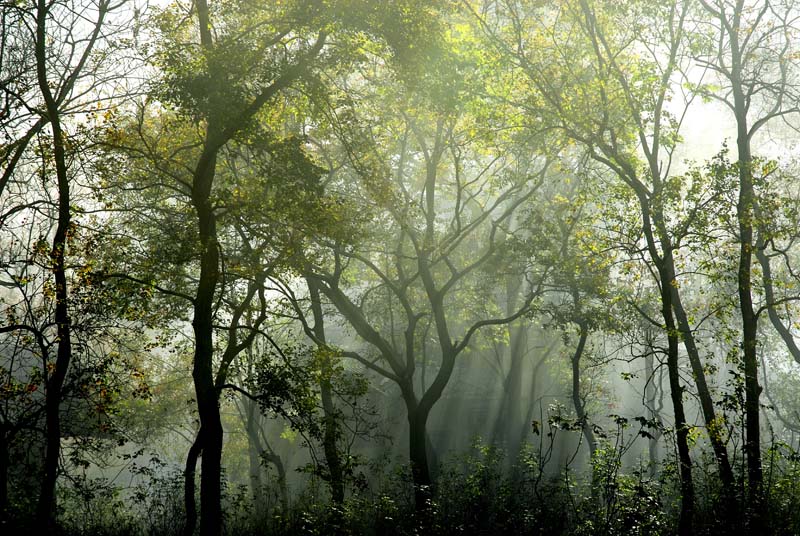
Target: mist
[{"x": 404, "y": 267}]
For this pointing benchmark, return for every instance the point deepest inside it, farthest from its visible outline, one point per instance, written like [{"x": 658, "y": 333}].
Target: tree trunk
[
  {"x": 742, "y": 89},
  {"x": 206, "y": 391},
  {"x": 577, "y": 401},
  {"x": 265, "y": 452},
  {"x": 653, "y": 445},
  {"x": 513, "y": 392},
  {"x": 769, "y": 293},
  {"x": 526, "y": 427},
  {"x": 664, "y": 262},
  {"x": 510, "y": 414},
  {"x": 418, "y": 447},
  {"x": 330, "y": 436},
  {"x": 275, "y": 460},
  {"x": 254, "y": 450},
  {"x": 713, "y": 425},
  {"x": 331, "y": 429},
  {"x": 211, "y": 474},
  {"x": 54, "y": 381},
  {"x": 744, "y": 214},
  {"x": 189, "y": 487},
  {"x": 256, "y": 483},
  {"x": 217, "y": 135},
  {"x": 418, "y": 454},
  {"x": 676, "y": 393}
]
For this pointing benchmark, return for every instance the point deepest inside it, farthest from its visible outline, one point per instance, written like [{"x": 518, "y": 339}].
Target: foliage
[{"x": 339, "y": 238}]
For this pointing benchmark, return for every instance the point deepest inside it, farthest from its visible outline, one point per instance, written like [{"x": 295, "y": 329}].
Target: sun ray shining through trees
[{"x": 399, "y": 267}]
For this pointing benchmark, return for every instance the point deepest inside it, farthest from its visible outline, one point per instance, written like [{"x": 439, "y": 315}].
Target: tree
[
  {"x": 600, "y": 93},
  {"x": 439, "y": 191},
  {"x": 222, "y": 84},
  {"x": 58, "y": 42},
  {"x": 252, "y": 245},
  {"x": 582, "y": 280},
  {"x": 330, "y": 425},
  {"x": 752, "y": 56}
]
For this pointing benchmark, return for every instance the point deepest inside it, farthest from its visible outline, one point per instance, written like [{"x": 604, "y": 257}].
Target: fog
[{"x": 404, "y": 267}]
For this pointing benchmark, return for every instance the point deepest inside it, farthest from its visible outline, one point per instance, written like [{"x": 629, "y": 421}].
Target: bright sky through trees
[{"x": 399, "y": 267}]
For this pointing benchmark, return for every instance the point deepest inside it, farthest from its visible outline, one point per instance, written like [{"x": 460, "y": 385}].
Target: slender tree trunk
[
  {"x": 54, "y": 381},
  {"x": 513, "y": 390},
  {"x": 330, "y": 435},
  {"x": 330, "y": 431},
  {"x": 744, "y": 214},
  {"x": 769, "y": 294},
  {"x": 265, "y": 454},
  {"x": 256, "y": 483},
  {"x": 676, "y": 393},
  {"x": 577, "y": 401},
  {"x": 665, "y": 264},
  {"x": 671, "y": 295},
  {"x": 653, "y": 445},
  {"x": 509, "y": 414},
  {"x": 206, "y": 392},
  {"x": 260, "y": 451},
  {"x": 254, "y": 450},
  {"x": 501, "y": 423},
  {"x": 404, "y": 377},
  {"x": 525, "y": 429},
  {"x": 276, "y": 461},
  {"x": 205, "y": 388},
  {"x": 189, "y": 487},
  {"x": 742, "y": 90},
  {"x": 713, "y": 425}
]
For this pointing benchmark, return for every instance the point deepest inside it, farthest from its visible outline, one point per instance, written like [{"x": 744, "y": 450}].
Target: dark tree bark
[
  {"x": 685, "y": 526},
  {"x": 577, "y": 400},
  {"x": 189, "y": 486},
  {"x": 330, "y": 431},
  {"x": 418, "y": 445},
  {"x": 713, "y": 425},
  {"x": 659, "y": 241},
  {"x": 54, "y": 381},
  {"x": 418, "y": 454},
  {"x": 417, "y": 409},
  {"x": 745, "y": 215},
  {"x": 206, "y": 386},
  {"x": 665, "y": 263},
  {"x": 420, "y": 253},
  {"x": 55, "y": 89},
  {"x": 206, "y": 392},
  {"x": 753, "y": 56}
]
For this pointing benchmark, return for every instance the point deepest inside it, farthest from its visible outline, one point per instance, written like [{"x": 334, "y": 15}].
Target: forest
[{"x": 399, "y": 267}]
